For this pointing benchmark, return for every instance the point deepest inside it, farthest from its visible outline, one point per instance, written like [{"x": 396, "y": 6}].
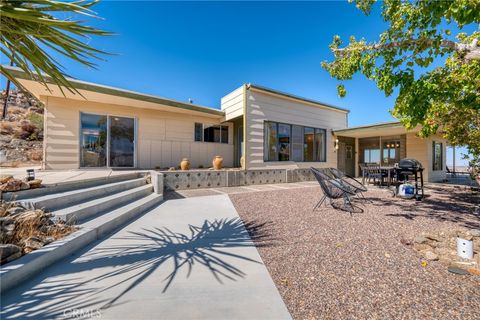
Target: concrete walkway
[
  {"x": 59, "y": 176},
  {"x": 186, "y": 259}
]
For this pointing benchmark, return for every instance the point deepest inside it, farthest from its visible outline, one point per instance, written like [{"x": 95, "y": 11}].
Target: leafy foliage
[
  {"x": 445, "y": 98},
  {"x": 28, "y": 29}
]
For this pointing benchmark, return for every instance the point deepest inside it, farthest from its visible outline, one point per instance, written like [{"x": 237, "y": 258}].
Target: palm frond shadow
[{"x": 139, "y": 255}]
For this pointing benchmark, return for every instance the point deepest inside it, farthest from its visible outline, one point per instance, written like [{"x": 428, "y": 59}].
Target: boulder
[
  {"x": 9, "y": 252},
  {"x": 34, "y": 243},
  {"x": 36, "y": 183},
  {"x": 5, "y": 178},
  {"x": 7, "y": 226},
  {"x": 24, "y": 186},
  {"x": 475, "y": 232}
]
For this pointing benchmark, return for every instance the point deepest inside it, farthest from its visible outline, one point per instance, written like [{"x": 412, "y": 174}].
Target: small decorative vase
[
  {"x": 185, "y": 164},
  {"x": 217, "y": 163}
]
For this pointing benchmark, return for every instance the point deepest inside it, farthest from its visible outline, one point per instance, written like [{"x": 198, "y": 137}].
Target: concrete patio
[{"x": 187, "y": 258}]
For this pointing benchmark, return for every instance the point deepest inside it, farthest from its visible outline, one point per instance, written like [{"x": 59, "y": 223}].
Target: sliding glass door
[
  {"x": 122, "y": 142},
  {"x": 107, "y": 141},
  {"x": 93, "y": 140}
]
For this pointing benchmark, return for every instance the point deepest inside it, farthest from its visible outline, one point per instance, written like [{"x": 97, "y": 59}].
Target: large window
[
  {"x": 211, "y": 133},
  {"x": 437, "y": 156},
  {"x": 371, "y": 155},
  {"x": 285, "y": 142}
]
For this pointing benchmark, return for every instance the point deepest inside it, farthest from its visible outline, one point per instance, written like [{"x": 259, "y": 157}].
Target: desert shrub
[
  {"x": 36, "y": 119},
  {"x": 6, "y": 127}
]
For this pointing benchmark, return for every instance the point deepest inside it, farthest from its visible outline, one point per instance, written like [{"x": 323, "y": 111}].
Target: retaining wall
[{"x": 196, "y": 179}]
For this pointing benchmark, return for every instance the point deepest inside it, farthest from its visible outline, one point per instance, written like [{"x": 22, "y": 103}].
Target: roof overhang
[
  {"x": 292, "y": 97},
  {"x": 110, "y": 95},
  {"x": 380, "y": 129}
]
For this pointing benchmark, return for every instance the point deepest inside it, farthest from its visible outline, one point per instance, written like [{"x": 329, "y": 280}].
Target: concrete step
[
  {"x": 68, "y": 186},
  {"x": 114, "y": 219},
  {"x": 85, "y": 210},
  {"x": 31, "y": 264},
  {"x": 56, "y": 201}
]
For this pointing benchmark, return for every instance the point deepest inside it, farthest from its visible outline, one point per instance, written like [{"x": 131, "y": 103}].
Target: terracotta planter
[
  {"x": 217, "y": 163},
  {"x": 185, "y": 164}
]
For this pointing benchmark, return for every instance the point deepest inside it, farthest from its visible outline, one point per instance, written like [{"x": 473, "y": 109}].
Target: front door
[
  {"x": 346, "y": 157},
  {"x": 107, "y": 141}
]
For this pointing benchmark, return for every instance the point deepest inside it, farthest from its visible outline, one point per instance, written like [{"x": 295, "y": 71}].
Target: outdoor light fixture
[
  {"x": 398, "y": 145},
  {"x": 336, "y": 144},
  {"x": 388, "y": 145},
  {"x": 30, "y": 174}
]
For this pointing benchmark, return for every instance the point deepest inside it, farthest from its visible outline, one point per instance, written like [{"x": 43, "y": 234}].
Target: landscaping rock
[
  {"x": 9, "y": 252},
  {"x": 36, "y": 183},
  {"x": 420, "y": 240},
  {"x": 34, "y": 243},
  {"x": 47, "y": 240},
  {"x": 429, "y": 255},
  {"x": 11, "y": 185},
  {"x": 458, "y": 271},
  {"x": 475, "y": 232},
  {"x": 5, "y": 178},
  {"x": 474, "y": 271},
  {"x": 24, "y": 186},
  {"x": 422, "y": 247}
]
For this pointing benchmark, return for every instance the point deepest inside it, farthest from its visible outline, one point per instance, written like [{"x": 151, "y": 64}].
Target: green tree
[
  {"x": 445, "y": 98},
  {"x": 29, "y": 30}
]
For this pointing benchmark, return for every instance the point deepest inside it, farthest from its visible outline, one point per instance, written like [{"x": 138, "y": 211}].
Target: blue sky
[{"x": 204, "y": 50}]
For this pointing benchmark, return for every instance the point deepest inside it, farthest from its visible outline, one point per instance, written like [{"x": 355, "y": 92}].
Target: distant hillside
[{"x": 21, "y": 132}]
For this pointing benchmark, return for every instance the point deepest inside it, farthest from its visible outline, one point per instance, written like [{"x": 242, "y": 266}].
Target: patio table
[{"x": 387, "y": 169}]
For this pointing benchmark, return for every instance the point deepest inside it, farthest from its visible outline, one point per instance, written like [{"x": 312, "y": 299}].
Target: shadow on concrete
[{"x": 132, "y": 263}]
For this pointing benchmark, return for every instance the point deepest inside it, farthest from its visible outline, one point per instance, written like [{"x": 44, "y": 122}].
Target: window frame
[
  {"x": 277, "y": 159},
  {"x": 221, "y": 126},
  {"x": 434, "y": 164}
]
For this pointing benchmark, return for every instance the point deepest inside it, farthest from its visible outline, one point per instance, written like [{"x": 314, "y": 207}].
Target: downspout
[{"x": 244, "y": 149}]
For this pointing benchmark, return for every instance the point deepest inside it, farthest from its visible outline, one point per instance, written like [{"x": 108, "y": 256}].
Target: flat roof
[
  {"x": 95, "y": 87},
  {"x": 381, "y": 128},
  {"x": 292, "y": 96}
]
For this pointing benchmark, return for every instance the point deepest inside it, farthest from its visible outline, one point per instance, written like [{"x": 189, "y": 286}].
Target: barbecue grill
[{"x": 409, "y": 167}]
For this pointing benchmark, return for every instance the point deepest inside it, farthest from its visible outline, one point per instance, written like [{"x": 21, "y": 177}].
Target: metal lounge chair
[
  {"x": 351, "y": 182},
  {"x": 333, "y": 189}
]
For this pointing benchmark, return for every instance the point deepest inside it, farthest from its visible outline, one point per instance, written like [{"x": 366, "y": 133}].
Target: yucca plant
[{"x": 29, "y": 30}]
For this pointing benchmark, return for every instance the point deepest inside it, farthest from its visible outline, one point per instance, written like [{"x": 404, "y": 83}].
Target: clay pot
[
  {"x": 185, "y": 164},
  {"x": 217, "y": 163}
]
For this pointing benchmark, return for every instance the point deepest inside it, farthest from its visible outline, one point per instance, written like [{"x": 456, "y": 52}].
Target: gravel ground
[{"x": 329, "y": 264}]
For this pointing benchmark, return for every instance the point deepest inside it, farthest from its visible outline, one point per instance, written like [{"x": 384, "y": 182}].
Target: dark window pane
[
  {"x": 320, "y": 145},
  {"x": 122, "y": 137},
  {"x": 297, "y": 143},
  {"x": 308, "y": 153},
  {"x": 283, "y": 142},
  {"x": 224, "y": 134},
  {"x": 437, "y": 156},
  {"x": 270, "y": 140},
  {"x": 211, "y": 133},
  {"x": 198, "y": 131},
  {"x": 93, "y": 140}
]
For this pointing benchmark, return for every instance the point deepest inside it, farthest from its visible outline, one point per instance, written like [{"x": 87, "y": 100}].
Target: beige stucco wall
[
  {"x": 263, "y": 107},
  {"x": 164, "y": 138},
  {"x": 422, "y": 150}
]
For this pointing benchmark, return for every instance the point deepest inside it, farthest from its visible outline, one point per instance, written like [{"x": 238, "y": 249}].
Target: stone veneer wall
[{"x": 196, "y": 179}]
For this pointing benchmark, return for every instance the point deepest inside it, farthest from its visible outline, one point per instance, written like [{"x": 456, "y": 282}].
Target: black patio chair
[
  {"x": 334, "y": 189},
  {"x": 350, "y": 182},
  {"x": 374, "y": 171}
]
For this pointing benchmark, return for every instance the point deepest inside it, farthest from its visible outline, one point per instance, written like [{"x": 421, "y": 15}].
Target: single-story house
[{"x": 255, "y": 127}]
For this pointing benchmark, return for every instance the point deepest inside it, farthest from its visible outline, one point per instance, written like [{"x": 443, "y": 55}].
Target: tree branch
[{"x": 471, "y": 51}]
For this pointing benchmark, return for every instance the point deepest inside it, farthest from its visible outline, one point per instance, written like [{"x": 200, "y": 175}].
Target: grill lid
[{"x": 411, "y": 164}]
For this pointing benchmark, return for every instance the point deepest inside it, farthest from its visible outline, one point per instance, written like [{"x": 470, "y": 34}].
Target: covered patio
[{"x": 385, "y": 144}]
